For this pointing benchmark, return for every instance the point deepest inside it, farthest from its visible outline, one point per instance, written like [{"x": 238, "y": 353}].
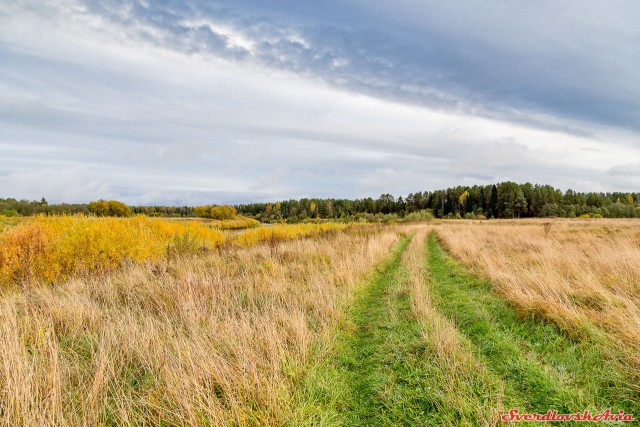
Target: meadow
[
  {"x": 582, "y": 275},
  {"x": 141, "y": 321}
]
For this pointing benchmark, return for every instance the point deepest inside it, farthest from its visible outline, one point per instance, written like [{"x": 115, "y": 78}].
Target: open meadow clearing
[
  {"x": 142, "y": 321},
  {"x": 319, "y": 213}
]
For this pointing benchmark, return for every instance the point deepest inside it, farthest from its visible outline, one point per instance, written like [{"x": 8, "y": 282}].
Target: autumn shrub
[
  {"x": 216, "y": 212},
  {"x": 239, "y": 222},
  {"x": 280, "y": 232},
  {"x": 418, "y": 216},
  {"x": 109, "y": 208},
  {"x": 51, "y": 249},
  {"x": 591, "y": 215}
]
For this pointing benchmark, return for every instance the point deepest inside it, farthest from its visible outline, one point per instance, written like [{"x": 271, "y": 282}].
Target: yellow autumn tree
[
  {"x": 216, "y": 212},
  {"x": 223, "y": 212},
  {"x": 99, "y": 208},
  {"x": 109, "y": 208},
  {"x": 463, "y": 200},
  {"x": 202, "y": 211}
]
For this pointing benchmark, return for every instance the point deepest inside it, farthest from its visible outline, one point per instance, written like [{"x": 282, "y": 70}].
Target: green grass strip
[
  {"x": 382, "y": 371},
  {"x": 541, "y": 366},
  {"x": 378, "y": 374}
]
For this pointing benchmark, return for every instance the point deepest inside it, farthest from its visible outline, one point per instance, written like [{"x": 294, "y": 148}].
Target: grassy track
[
  {"x": 381, "y": 355},
  {"x": 377, "y": 375},
  {"x": 542, "y": 368},
  {"x": 428, "y": 344},
  {"x": 386, "y": 368}
]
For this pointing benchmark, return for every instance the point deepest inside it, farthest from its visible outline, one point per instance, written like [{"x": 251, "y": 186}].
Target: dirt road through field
[{"x": 428, "y": 343}]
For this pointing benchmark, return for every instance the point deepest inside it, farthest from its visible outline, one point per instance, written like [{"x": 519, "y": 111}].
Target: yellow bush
[
  {"x": 284, "y": 232},
  {"x": 51, "y": 249},
  {"x": 109, "y": 208},
  {"x": 591, "y": 215},
  {"x": 216, "y": 212},
  {"x": 238, "y": 223}
]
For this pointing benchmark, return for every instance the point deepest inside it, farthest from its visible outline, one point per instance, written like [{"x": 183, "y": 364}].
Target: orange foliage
[{"x": 51, "y": 249}]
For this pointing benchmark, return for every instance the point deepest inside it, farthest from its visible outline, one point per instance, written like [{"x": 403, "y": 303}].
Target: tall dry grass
[
  {"x": 8, "y": 221},
  {"x": 239, "y": 222},
  {"x": 578, "y": 273},
  {"x": 215, "y": 339},
  {"x": 467, "y": 386},
  {"x": 280, "y": 232}
]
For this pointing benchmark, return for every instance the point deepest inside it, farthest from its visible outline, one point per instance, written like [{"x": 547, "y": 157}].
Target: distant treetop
[
  {"x": 216, "y": 212},
  {"x": 109, "y": 208}
]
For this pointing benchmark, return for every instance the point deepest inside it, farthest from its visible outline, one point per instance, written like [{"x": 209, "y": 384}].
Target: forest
[{"x": 502, "y": 200}]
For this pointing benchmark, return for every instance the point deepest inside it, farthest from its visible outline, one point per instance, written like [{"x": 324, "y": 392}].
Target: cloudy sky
[{"x": 193, "y": 101}]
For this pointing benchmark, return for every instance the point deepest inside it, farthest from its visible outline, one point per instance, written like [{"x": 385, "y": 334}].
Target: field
[
  {"x": 144, "y": 321},
  {"x": 584, "y": 276}
]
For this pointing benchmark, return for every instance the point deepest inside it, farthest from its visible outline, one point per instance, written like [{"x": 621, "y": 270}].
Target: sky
[{"x": 232, "y": 101}]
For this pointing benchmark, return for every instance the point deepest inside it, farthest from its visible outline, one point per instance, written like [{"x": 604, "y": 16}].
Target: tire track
[
  {"x": 541, "y": 367},
  {"x": 427, "y": 344},
  {"x": 399, "y": 362}
]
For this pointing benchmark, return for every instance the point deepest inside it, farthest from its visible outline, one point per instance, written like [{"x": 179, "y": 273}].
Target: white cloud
[
  {"x": 70, "y": 185},
  {"x": 398, "y": 182},
  {"x": 93, "y": 110},
  {"x": 234, "y": 37}
]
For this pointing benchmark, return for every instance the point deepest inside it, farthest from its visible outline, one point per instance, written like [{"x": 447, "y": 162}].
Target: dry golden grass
[
  {"x": 8, "y": 221},
  {"x": 239, "y": 222},
  {"x": 215, "y": 339},
  {"x": 461, "y": 374},
  {"x": 578, "y": 273},
  {"x": 285, "y": 232},
  {"x": 226, "y": 336}
]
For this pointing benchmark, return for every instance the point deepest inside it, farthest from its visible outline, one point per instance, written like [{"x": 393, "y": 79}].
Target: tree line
[
  {"x": 502, "y": 200},
  {"x": 14, "y": 207}
]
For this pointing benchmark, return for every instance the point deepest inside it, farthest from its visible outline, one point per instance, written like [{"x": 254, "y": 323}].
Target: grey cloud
[
  {"x": 545, "y": 58},
  {"x": 152, "y": 124},
  {"x": 70, "y": 184},
  {"x": 629, "y": 169}
]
